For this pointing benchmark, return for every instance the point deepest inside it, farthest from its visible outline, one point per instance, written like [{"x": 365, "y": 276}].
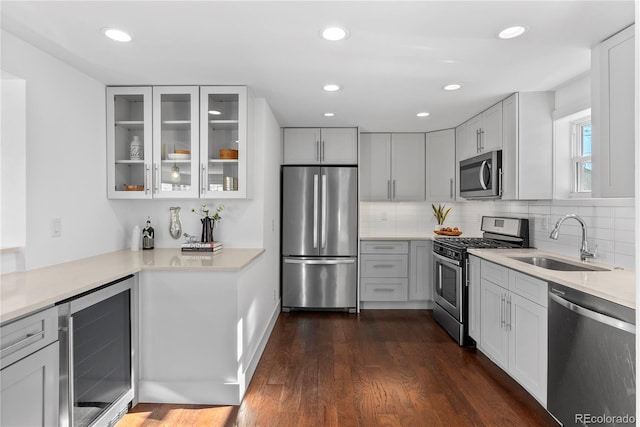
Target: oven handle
[{"x": 447, "y": 260}]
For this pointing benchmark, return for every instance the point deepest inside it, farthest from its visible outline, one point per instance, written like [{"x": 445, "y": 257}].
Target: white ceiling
[{"x": 398, "y": 55}]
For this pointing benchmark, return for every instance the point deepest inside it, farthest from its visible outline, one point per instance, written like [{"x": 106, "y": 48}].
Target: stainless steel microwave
[{"x": 481, "y": 176}]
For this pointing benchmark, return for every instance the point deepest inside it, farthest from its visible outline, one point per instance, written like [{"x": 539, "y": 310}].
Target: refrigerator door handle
[
  {"x": 315, "y": 211},
  {"x": 324, "y": 211},
  {"x": 320, "y": 261}
]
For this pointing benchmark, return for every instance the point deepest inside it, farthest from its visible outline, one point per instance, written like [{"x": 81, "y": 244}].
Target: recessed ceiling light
[
  {"x": 214, "y": 112},
  {"x": 329, "y": 114},
  {"x": 332, "y": 87},
  {"x": 423, "y": 114},
  {"x": 512, "y": 32},
  {"x": 454, "y": 86},
  {"x": 117, "y": 35},
  {"x": 334, "y": 34}
]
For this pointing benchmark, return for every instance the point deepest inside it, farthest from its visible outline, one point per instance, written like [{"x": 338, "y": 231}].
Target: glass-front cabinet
[
  {"x": 177, "y": 142},
  {"x": 223, "y": 141},
  {"x": 129, "y": 142}
]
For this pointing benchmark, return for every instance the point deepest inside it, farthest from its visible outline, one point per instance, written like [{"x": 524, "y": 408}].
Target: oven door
[{"x": 448, "y": 285}]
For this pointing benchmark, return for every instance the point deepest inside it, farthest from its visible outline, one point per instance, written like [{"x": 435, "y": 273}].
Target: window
[{"x": 581, "y": 155}]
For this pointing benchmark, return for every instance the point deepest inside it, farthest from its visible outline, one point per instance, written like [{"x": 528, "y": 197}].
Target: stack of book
[{"x": 214, "y": 247}]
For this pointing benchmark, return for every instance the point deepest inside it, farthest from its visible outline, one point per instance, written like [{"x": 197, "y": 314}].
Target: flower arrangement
[
  {"x": 204, "y": 211},
  {"x": 208, "y": 221},
  {"x": 440, "y": 213}
]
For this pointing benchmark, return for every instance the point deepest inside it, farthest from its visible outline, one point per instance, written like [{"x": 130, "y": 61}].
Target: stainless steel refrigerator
[{"x": 319, "y": 237}]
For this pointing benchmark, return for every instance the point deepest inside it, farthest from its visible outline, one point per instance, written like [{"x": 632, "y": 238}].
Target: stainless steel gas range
[{"x": 451, "y": 270}]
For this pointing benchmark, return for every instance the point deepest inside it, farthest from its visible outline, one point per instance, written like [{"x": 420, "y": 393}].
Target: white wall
[
  {"x": 13, "y": 154},
  {"x": 66, "y": 158}
]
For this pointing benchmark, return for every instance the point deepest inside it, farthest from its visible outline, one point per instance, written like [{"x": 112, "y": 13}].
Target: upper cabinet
[
  {"x": 223, "y": 142},
  {"x": 612, "y": 116},
  {"x": 482, "y": 133},
  {"x": 392, "y": 167},
  {"x": 129, "y": 142},
  {"x": 177, "y": 142},
  {"x": 527, "y": 152},
  {"x": 330, "y": 146},
  {"x": 441, "y": 159}
]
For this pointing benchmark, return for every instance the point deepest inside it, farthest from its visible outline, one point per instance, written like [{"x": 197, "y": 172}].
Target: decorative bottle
[
  {"x": 136, "y": 149},
  {"x": 148, "y": 235}
]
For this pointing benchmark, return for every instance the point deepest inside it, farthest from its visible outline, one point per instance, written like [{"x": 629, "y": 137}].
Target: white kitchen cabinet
[
  {"x": 482, "y": 133},
  {"x": 223, "y": 127},
  {"x": 527, "y": 152},
  {"x": 29, "y": 395},
  {"x": 175, "y": 129},
  {"x": 392, "y": 167},
  {"x": 421, "y": 270},
  {"x": 129, "y": 113},
  {"x": 29, "y": 378},
  {"x": 309, "y": 146},
  {"x": 612, "y": 116},
  {"x": 182, "y": 130},
  {"x": 474, "y": 298},
  {"x": 441, "y": 165},
  {"x": 384, "y": 270},
  {"x": 513, "y": 319}
]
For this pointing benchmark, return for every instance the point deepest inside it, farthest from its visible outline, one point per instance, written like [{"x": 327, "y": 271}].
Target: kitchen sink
[{"x": 558, "y": 265}]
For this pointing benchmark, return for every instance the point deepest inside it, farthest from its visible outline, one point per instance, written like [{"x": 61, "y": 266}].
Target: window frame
[{"x": 578, "y": 159}]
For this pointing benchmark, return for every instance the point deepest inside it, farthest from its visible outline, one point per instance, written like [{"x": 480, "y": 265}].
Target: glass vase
[{"x": 175, "y": 226}]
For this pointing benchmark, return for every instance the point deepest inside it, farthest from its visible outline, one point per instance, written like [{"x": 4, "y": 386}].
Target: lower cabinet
[
  {"x": 513, "y": 325},
  {"x": 30, "y": 371},
  {"x": 396, "y": 272}
]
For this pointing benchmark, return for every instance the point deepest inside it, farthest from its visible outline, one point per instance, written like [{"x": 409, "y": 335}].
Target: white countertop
[
  {"x": 618, "y": 286},
  {"x": 25, "y": 292}
]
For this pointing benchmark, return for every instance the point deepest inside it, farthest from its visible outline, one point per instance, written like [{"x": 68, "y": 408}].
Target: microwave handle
[{"x": 481, "y": 174}]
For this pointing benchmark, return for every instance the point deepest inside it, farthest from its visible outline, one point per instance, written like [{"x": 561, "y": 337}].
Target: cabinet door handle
[
  {"x": 481, "y": 139},
  {"x": 383, "y": 266},
  {"x": 383, "y": 290},
  {"x": 317, "y": 151},
  {"x": 29, "y": 339},
  {"x": 509, "y": 312},
  {"x": 322, "y": 152},
  {"x": 147, "y": 171},
  {"x": 502, "y": 319},
  {"x": 451, "y": 188},
  {"x": 203, "y": 177},
  {"x": 477, "y": 140},
  {"x": 389, "y": 189},
  {"x": 155, "y": 186},
  {"x": 393, "y": 189}
]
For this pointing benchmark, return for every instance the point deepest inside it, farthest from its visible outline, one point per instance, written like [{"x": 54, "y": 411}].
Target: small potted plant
[
  {"x": 440, "y": 213},
  {"x": 208, "y": 221}
]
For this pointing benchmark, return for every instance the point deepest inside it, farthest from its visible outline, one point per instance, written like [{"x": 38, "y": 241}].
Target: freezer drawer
[{"x": 319, "y": 282}]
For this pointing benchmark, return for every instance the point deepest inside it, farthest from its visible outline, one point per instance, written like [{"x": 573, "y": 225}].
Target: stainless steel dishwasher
[{"x": 592, "y": 370}]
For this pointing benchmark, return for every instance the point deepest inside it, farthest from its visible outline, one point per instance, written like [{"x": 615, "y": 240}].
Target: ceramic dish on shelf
[
  {"x": 178, "y": 156},
  {"x": 128, "y": 187}
]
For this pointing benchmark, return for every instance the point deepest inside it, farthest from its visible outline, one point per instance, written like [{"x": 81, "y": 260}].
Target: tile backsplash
[{"x": 610, "y": 223}]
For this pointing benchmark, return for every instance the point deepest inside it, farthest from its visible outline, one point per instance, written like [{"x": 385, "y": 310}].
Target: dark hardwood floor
[{"x": 378, "y": 368}]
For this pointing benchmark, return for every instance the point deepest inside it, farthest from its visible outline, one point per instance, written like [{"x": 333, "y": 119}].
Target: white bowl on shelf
[{"x": 178, "y": 156}]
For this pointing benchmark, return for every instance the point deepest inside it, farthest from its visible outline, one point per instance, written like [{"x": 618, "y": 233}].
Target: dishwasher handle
[{"x": 594, "y": 315}]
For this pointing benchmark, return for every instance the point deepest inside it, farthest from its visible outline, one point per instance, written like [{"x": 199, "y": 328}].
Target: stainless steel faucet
[{"x": 585, "y": 253}]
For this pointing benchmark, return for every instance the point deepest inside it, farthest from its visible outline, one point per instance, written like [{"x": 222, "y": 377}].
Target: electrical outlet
[
  {"x": 383, "y": 216},
  {"x": 542, "y": 223},
  {"x": 56, "y": 227}
]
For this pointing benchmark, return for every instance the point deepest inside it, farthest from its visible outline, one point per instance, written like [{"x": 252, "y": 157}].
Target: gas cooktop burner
[{"x": 473, "y": 242}]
